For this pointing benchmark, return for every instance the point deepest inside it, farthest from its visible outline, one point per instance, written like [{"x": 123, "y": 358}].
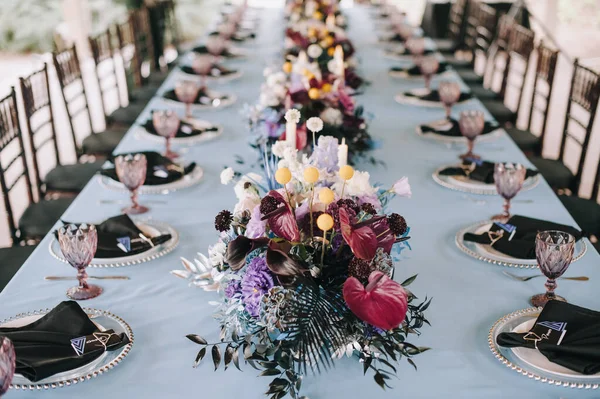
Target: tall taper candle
[{"x": 343, "y": 153}]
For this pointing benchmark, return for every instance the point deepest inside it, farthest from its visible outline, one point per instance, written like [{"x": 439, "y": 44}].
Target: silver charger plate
[
  {"x": 403, "y": 99},
  {"x": 189, "y": 180},
  {"x": 493, "y": 135},
  {"x": 488, "y": 254},
  {"x": 214, "y": 105},
  {"x": 530, "y": 362},
  {"x": 108, "y": 360},
  {"x": 213, "y": 77},
  {"x": 464, "y": 184},
  {"x": 150, "y": 228},
  {"x": 199, "y": 138}
]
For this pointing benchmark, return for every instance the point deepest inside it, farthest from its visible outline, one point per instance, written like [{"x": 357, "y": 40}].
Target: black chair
[
  {"x": 586, "y": 212},
  {"x": 38, "y": 217},
  {"x": 37, "y": 102},
  {"x": 74, "y": 95},
  {"x": 543, "y": 82},
  {"x": 456, "y": 28},
  {"x": 108, "y": 82},
  {"x": 144, "y": 48},
  {"x": 520, "y": 47},
  {"x": 11, "y": 260},
  {"x": 165, "y": 32},
  {"x": 583, "y": 99}
]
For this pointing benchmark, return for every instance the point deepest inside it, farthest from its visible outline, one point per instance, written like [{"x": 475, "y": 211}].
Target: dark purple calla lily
[
  {"x": 282, "y": 221},
  {"x": 238, "y": 249},
  {"x": 365, "y": 237},
  {"x": 279, "y": 261}
]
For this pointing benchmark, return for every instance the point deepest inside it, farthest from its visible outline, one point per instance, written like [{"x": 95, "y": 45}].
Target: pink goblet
[
  {"x": 78, "y": 244},
  {"x": 166, "y": 124},
  {"x": 187, "y": 92},
  {"x": 416, "y": 47},
  {"x": 509, "y": 180},
  {"x": 429, "y": 66},
  {"x": 7, "y": 364},
  {"x": 449, "y": 94},
  {"x": 131, "y": 171},
  {"x": 471, "y": 125}
]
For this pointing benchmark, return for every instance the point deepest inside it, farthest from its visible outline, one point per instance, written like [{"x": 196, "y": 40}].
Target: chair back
[
  {"x": 457, "y": 21},
  {"x": 487, "y": 20},
  {"x": 520, "y": 46},
  {"x": 13, "y": 161},
  {"x": 37, "y": 102}
]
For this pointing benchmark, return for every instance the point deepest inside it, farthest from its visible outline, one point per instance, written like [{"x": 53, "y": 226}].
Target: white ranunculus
[
  {"x": 314, "y": 124},
  {"x": 247, "y": 203},
  {"x": 227, "y": 176},
  {"x": 402, "y": 188},
  {"x": 240, "y": 187},
  {"x": 216, "y": 254},
  {"x": 292, "y": 115},
  {"x": 278, "y": 148},
  {"x": 314, "y": 51},
  {"x": 359, "y": 185},
  {"x": 332, "y": 116}
]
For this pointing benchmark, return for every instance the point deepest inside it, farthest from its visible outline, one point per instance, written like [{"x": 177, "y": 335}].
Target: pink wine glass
[
  {"x": 131, "y": 170},
  {"x": 166, "y": 124},
  {"x": 187, "y": 92},
  {"x": 416, "y": 47},
  {"x": 509, "y": 180},
  {"x": 554, "y": 252},
  {"x": 7, "y": 364},
  {"x": 429, "y": 66},
  {"x": 202, "y": 65},
  {"x": 78, "y": 244},
  {"x": 471, "y": 125},
  {"x": 449, "y": 94}
]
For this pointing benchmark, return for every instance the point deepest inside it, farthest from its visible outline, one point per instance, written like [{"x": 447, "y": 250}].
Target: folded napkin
[
  {"x": 202, "y": 49},
  {"x": 572, "y": 337},
  {"x": 119, "y": 236},
  {"x": 205, "y": 97},
  {"x": 405, "y": 51},
  {"x": 517, "y": 237},
  {"x": 216, "y": 71},
  {"x": 416, "y": 71},
  {"x": 478, "y": 170},
  {"x": 64, "y": 339},
  {"x": 240, "y": 36},
  {"x": 393, "y": 38},
  {"x": 186, "y": 129},
  {"x": 160, "y": 170},
  {"x": 434, "y": 96},
  {"x": 454, "y": 130}
]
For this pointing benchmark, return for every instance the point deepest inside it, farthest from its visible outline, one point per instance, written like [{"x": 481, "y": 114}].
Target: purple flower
[
  {"x": 370, "y": 199},
  {"x": 325, "y": 155},
  {"x": 233, "y": 289},
  {"x": 256, "y": 227},
  {"x": 256, "y": 282}
]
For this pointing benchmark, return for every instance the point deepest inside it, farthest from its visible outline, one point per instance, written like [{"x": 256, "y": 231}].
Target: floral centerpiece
[{"x": 304, "y": 271}]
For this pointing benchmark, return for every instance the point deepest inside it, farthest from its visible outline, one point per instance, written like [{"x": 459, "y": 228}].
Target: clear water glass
[
  {"x": 509, "y": 180},
  {"x": 187, "y": 92},
  {"x": 166, "y": 123},
  {"x": 131, "y": 171},
  {"x": 554, "y": 252},
  {"x": 471, "y": 123},
  {"x": 78, "y": 244},
  {"x": 449, "y": 94}
]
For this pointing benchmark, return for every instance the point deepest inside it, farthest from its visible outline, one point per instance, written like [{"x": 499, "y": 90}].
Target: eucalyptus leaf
[
  {"x": 269, "y": 372},
  {"x": 196, "y": 339},
  {"x": 229, "y": 351},
  {"x": 409, "y": 280},
  {"x": 236, "y": 359},
  {"x": 412, "y": 363},
  {"x": 200, "y": 356},
  {"x": 216, "y": 356}
]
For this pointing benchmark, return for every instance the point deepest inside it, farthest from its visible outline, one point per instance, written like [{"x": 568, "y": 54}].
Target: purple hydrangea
[
  {"x": 233, "y": 289},
  {"x": 255, "y": 283},
  {"x": 256, "y": 227},
  {"x": 325, "y": 155}
]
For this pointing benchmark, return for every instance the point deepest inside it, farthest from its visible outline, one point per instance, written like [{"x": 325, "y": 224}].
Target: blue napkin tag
[
  {"x": 477, "y": 162},
  {"x": 124, "y": 243},
  {"x": 509, "y": 228},
  {"x": 161, "y": 171}
]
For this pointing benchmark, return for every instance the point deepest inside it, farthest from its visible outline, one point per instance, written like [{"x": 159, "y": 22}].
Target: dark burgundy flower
[
  {"x": 362, "y": 240},
  {"x": 397, "y": 224},
  {"x": 281, "y": 220},
  {"x": 223, "y": 220}
]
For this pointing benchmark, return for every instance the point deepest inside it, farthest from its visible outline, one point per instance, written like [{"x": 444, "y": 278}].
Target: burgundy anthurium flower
[
  {"x": 382, "y": 303},
  {"x": 282, "y": 221},
  {"x": 361, "y": 239}
]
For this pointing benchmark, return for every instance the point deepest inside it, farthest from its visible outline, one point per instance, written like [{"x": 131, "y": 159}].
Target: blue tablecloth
[{"x": 469, "y": 296}]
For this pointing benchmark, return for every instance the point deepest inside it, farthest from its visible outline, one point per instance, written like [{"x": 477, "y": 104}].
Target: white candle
[
  {"x": 330, "y": 22},
  {"x": 290, "y": 133},
  {"x": 343, "y": 153},
  {"x": 338, "y": 55}
]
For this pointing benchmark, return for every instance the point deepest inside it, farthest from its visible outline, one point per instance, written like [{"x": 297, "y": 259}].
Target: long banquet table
[{"x": 469, "y": 296}]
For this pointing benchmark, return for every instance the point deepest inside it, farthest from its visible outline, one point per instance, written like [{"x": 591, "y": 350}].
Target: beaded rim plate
[
  {"x": 215, "y": 78},
  {"x": 199, "y": 138},
  {"x": 189, "y": 180},
  {"x": 405, "y": 75},
  {"x": 474, "y": 187},
  {"x": 486, "y": 254},
  {"x": 507, "y": 356},
  {"x": 151, "y": 228},
  {"x": 229, "y": 101},
  {"x": 403, "y": 99},
  {"x": 493, "y": 135},
  {"x": 109, "y": 360}
]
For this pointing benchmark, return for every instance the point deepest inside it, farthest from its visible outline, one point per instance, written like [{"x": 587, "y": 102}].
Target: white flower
[
  {"x": 247, "y": 203},
  {"x": 314, "y": 51},
  {"x": 333, "y": 66},
  {"x": 314, "y": 124},
  {"x": 278, "y": 78},
  {"x": 292, "y": 115},
  {"x": 216, "y": 254},
  {"x": 332, "y": 116},
  {"x": 279, "y": 147},
  {"x": 227, "y": 176},
  {"x": 402, "y": 188},
  {"x": 358, "y": 186},
  {"x": 240, "y": 187}
]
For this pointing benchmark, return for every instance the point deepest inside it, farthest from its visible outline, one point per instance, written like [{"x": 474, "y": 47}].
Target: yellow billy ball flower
[
  {"x": 287, "y": 67},
  {"x": 317, "y": 15},
  {"x": 329, "y": 40},
  {"x": 283, "y": 176},
  {"x": 314, "y": 93},
  {"x": 331, "y": 51},
  {"x": 326, "y": 196},
  {"x": 325, "y": 222},
  {"x": 346, "y": 172},
  {"x": 312, "y": 32},
  {"x": 311, "y": 174},
  {"x": 326, "y": 88}
]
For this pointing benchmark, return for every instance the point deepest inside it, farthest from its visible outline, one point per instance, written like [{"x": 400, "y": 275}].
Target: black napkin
[
  {"x": 160, "y": 170},
  {"x": 55, "y": 343},
  {"x": 579, "y": 348},
  {"x": 405, "y": 51},
  {"x": 215, "y": 71},
  {"x": 240, "y": 36},
  {"x": 394, "y": 38},
  {"x": 416, "y": 71},
  {"x": 204, "y": 97},
  {"x": 454, "y": 131},
  {"x": 434, "y": 96},
  {"x": 122, "y": 230},
  {"x": 522, "y": 243},
  {"x": 478, "y": 170},
  {"x": 202, "y": 49},
  {"x": 185, "y": 129}
]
